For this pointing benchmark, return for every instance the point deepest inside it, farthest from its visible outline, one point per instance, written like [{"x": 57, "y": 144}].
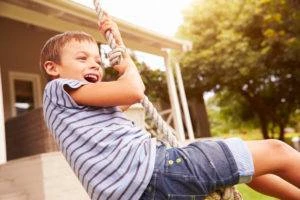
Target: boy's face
[{"x": 80, "y": 61}]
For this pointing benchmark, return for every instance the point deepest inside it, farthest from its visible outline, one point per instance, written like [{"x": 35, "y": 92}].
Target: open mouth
[{"x": 92, "y": 78}]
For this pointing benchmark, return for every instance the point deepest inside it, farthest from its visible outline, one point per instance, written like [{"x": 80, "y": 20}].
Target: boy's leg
[
  {"x": 275, "y": 186},
  {"x": 275, "y": 157}
]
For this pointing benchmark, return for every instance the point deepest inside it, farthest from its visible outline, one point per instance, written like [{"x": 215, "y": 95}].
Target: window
[{"x": 25, "y": 92}]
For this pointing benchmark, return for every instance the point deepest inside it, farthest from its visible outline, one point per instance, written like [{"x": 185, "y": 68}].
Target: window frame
[{"x": 35, "y": 79}]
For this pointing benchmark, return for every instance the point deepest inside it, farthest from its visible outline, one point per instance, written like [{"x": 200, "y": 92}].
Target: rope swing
[
  {"x": 168, "y": 134},
  {"x": 115, "y": 57}
]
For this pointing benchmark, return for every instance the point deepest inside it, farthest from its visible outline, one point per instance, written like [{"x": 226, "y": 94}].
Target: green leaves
[{"x": 248, "y": 47}]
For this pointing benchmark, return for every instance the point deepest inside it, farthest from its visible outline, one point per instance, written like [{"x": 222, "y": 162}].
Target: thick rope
[
  {"x": 161, "y": 125},
  {"x": 115, "y": 56}
]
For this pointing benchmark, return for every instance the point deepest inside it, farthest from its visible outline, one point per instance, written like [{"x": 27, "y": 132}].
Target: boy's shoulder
[
  {"x": 55, "y": 92},
  {"x": 65, "y": 81},
  {"x": 61, "y": 82}
]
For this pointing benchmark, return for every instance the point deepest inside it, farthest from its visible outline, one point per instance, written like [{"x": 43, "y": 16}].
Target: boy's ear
[{"x": 51, "y": 68}]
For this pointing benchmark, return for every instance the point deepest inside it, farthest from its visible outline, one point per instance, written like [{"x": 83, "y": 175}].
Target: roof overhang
[{"x": 65, "y": 15}]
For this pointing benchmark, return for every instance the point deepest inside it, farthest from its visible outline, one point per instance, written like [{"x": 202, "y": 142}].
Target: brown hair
[{"x": 51, "y": 50}]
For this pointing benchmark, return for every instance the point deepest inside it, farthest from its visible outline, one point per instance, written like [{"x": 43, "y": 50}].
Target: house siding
[{"x": 20, "y": 48}]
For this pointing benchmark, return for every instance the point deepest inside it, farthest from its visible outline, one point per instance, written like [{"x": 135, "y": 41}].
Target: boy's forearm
[
  {"x": 128, "y": 70},
  {"x": 131, "y": 76}
]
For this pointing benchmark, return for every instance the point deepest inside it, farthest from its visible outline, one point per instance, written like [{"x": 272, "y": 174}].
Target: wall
[
  {"x": 28, "y": 135},
  {"x": 19, "y": 51}
]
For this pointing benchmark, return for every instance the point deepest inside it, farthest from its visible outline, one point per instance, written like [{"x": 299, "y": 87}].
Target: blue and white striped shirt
[{"x": 112, "y": 158}]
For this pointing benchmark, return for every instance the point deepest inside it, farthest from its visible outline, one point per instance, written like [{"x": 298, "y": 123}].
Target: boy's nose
[{"x": 95, "y": 67}]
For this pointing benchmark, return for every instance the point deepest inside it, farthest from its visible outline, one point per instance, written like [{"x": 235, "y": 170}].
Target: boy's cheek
[{"x": 101, "y": 74}]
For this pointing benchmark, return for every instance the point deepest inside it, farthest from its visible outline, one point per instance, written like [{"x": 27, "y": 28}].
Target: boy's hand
[{"x": 107, "y": 24}]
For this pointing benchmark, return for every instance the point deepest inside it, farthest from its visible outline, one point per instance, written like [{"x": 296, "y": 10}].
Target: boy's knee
[{"x": 278, "y": 147}]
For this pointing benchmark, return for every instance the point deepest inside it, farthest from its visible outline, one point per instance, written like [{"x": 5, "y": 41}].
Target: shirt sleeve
[{"x": 56, "y": 93}]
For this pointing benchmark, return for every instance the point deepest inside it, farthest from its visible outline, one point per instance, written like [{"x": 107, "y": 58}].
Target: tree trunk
[
  {"x": 263, "y": 126},
  {"x": 261, "y": 110},
  {"x": 281, "y": 132},
  {"x": 199, "y": 117}
]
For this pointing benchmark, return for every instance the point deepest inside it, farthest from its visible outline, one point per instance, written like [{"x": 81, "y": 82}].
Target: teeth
[{"x": 91, "y": 76}]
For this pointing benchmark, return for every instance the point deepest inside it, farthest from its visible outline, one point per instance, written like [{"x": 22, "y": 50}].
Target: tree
[{"x": 246, "y": 47}]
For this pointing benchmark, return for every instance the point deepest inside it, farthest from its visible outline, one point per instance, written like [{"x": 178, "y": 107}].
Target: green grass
[
  {"x": 249, "y": 194},
  {"x": 245, "y": 135},
  {"x": 254, "y": 135}
]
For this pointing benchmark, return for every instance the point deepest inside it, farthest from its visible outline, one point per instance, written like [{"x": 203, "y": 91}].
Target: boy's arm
[{"x": 126, "y": 90}]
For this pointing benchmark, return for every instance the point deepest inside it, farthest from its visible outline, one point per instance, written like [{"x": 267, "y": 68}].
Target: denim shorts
[{"x": 193, "y": 171}]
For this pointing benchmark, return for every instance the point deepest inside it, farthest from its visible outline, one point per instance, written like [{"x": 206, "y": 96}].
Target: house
[{"x": 25, "y": 26}]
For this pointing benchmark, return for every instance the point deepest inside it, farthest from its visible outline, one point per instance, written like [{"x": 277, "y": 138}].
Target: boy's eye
[{"x": 81, "y": 58}]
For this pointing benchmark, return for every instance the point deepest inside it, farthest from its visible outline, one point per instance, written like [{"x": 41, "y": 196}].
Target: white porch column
[
  {"x": 184, "y": 102},
  {"x": 174, "y": 99},
  {"x": 2, "y": 129}
]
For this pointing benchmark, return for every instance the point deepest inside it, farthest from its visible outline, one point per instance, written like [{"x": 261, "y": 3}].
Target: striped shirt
[{"x": 112, "y": 158}]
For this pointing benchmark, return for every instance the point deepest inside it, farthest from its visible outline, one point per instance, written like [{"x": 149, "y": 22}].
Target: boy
[{"x": 114, "y": 159}]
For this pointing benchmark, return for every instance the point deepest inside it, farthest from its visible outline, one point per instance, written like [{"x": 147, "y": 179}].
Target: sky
[{"x": 161, "y": 16}]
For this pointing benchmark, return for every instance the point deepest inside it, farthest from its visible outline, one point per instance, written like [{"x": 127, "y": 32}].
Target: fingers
[{"x": 106, "y": 24}]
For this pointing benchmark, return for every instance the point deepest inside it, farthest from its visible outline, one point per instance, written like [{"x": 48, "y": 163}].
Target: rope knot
[{"x": 116, "y": 55}]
